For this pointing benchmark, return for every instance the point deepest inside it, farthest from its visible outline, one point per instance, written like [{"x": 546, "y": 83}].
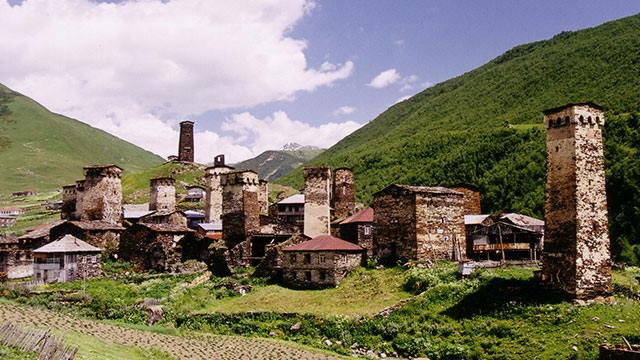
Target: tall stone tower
[
  {"x": 344, "y": 193},
  {"x": 163, "y": 194},
  {"x": 263, "y": 197},
  {"x": 102, "y": 196},
  {"x": 240, "y": 207},
  {"x": 185, "y": 147},
  {"x": 79, "y": 200},
  {"x": 213, "y": 195},
  {"x": 68, "y": 202},
  {"x": 317, "y": 201},
  {"x": 576, "y": 256}
]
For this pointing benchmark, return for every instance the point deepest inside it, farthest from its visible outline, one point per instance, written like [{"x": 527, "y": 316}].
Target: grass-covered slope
[
  {"x": 485, "y": 127},
  {"x": 135, "y": 186},
  {"x": 43, "y": 150},
  {"x": 274, "y": 164}
]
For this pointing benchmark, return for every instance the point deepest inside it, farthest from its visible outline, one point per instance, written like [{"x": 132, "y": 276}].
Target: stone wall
[
  {"x": 185, "y": 146},
  {"x": 471, "y": 199},
  {"x": 317, "y": 206},
  {"x": 89, "y": 265},
  {"x": 263, "y": 197},
  {"x": 79, "y": 200},
  {"x": 394, "y": 224},
  {"x": 102, "y": 195},
  {"x": 240, "y": 207},
  {"x": 162, "y": 195},
  {"x": 213, "y": 196},
  {"x": 314, "y": 269},
  {"x": 68, "y": 210},
  {"x": 576, "y": 255},
  {"x": 357, "y": 233},
  {"x": 344, "y": 193},
  {"x": 151, "y": 250},
  {"x": 440, "y": 232}
]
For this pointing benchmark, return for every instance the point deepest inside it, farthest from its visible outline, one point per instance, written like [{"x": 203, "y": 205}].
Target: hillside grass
[
  {"x": 484, "y": 128},
  {"x": 95, "y": 348},
  {"x": 43, "y": 150},
  {"x": 135, "y": 186},
  {"x": 34, "y": 212}
]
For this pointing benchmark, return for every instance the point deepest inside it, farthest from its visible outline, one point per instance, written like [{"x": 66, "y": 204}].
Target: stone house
[
  {"x": 291, "y": 210},
  {"x": 15, "y": 257},
  {"x": 7, "y": 220},
  {"x": 155, "y": 246},
  {"x": 11, "y": 211},
  {"x": 23, "y": 193},
  {"x": 101, "y": 234},
  {"x": 358, "y": 229},
  {"x": 320, "y": 262},
  {"x": 66, "y": 259},
  {"x": 471, "y": 198},
  {"x": 418, "y": 223}
]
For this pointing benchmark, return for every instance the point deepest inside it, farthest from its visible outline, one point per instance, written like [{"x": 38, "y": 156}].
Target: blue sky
[{"x": 256, "y": 75}]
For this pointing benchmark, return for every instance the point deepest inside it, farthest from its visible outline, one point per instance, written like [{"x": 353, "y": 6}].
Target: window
[
  {"x": 367, "y": 230},
  {"x": 323, "y": 276},
  {"x": 307, "y": 275},
  {"x": 321, "y": 259},
  {"x": 307, "y": 258},
  {"x": 292, "y": 258}
]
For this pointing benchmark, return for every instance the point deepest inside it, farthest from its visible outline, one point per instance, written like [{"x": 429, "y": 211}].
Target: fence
[{"x": 42, "y": 342}]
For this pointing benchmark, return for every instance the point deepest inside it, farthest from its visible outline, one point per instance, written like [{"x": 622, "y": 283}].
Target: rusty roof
[
  {"x": 324, "y": 243},
  {"x": 166, "y": 228},
  {"x": 40, "y": 230},
  {"x": 94, "y": 225},
  {"x": 364, "y": 215},
  {"x": 521, "y": 220},
  {"x": 8, "y": 239}
]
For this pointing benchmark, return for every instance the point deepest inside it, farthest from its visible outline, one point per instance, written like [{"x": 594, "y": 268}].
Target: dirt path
[{"x": 206, "y": 347}]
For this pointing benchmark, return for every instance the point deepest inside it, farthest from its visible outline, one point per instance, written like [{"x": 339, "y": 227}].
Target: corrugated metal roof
[
  {"x": 191, "y": 214},
  {"x": 67, "y": 244},
  {"x": 364, "y": 215},
  {"x": 324, "y": 243},
  {"x": 215, "y": 226},
  {"x": 475, "y": 219},
  {"x": 293, "y": 199},
  {"x": 522, "y": 220}
]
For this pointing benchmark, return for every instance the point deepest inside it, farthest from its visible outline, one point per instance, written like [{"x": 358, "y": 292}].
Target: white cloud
[
  {"x": 427, "y": 84},
  {"x": 135, "y": 68},
  {"x": 403, "y": 99},
  {"x": 344, "y": 110},
  {"x": 408, "y": 82},
  {"x": 385, "y": 79}
]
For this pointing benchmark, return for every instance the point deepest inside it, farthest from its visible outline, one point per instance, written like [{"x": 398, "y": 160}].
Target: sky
[{"x": 256, "y": 75}]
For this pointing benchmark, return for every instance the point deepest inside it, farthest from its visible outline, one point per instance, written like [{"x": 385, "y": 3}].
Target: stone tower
[
  {"x": 213, "y": 195},
  {"x": 471, "y": 198},
  {"x": 79, "y": 199},
  {"x": 317, "y": 201},
  {"x": 185, "y": 147},
  {"x": 263, "y": 197},
  {"x": 344, "y": 193},
  {"x": 240, "y": 207},
  {"x": 102, "y": 196},
  {"x": 163, "y": 194},
  {"x": 68, "y": 202},
  {"x": 576, "y": 256}
]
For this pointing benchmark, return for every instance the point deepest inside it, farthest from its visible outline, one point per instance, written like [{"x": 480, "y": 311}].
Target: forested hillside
[{"x": 485, "y": 127}]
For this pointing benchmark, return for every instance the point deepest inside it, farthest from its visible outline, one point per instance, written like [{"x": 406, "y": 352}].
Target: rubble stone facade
[
  {"x": 185, "y": 146},
  {"x": 213, "y": 196},
  {"x": 344, "y": 193},
  {"x": 156, "y": 246},
  {"x": 471, "y": 198},
  {"x": 68, "y": 210},
  {"x": 317, "y": 201},
  {"x": 263, "y": 197},
  {"x": 577, "y": 256},
  {"x": 79, "y": 199},
  {"x": 102, "y": 195},
  {"x": 240, "y": 207},
  {"x": 418, "y": 223},
  {"x": 163, "y": 194}
]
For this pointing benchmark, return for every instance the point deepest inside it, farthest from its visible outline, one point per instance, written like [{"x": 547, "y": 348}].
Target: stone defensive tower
[
  {"x": 79, "y": 199},
  {"x": 344, "y": 193},
  {"x": 263, "y": 197},
  {"x": 240, "y": 207},
  {"x": 576, "y": 256},
  {"x": 102, "y": 195},
  {"x": 185, "y": 147},
  {"x": 162, "y": 195},
  {"x": 317, "y": 201},
  {"x": 68, "y": 202},
  {"x": 213, "y": 195}
]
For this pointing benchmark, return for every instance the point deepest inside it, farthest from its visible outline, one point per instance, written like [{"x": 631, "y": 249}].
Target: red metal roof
[
  {"x": 324, "y": 243},
  {"x": 364, "y": 215}
]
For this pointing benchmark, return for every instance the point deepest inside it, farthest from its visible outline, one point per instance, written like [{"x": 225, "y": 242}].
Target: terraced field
[{"x": 179, "y": 347}]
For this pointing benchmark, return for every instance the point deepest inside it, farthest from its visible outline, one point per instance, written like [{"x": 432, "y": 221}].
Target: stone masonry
[
  {"x": 163, "y": 194},
  {"x": 577, "y": 255},
  {"x": 213, "y": 195},
  {"x": 263, "y": 197},
  {"x": 317, "y": 201},
  {"x": 69, "y": 194},
  {"x": 344, "y": 194},
  {"x": 102, "y": 195},
  {"x": 471, "y": 198},
  {"x": 79, "y": 199},
  {"x": 240, "y": 207},
  {"x": 418, "y": 223},
  {"x": 185, "y": 146}
]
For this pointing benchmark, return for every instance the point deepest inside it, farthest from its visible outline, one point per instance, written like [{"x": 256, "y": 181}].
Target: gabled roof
[
  {"x": 40, "y": 230},
  {"x": 8, "y": 239},
  {"x": 166, "y": 228},
  {"x": 293, "y": 199},
  {"x": 94, "y": 225},
  {"x": 521, "y": 220},
  {"x": 364, "y": 215},
  {"x": 67, "y": 244},
  {"x": 324, "y": 243},
  {"x": 475, "y": 219}
]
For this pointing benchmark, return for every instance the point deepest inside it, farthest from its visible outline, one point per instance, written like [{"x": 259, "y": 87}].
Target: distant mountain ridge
[
  {"x": 43, "y": 150},
  {"x": 273, "y": 164}
]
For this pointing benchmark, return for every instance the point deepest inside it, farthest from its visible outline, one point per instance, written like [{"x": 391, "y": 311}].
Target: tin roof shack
[
  {"x": 7, "y": 221},
  {"x": 291, "y": 210},
  {"x": 358, "y": 229},
  {"x": 418, "y": 223},
  {"x": 66, "y": 259},
  {"x": 155, "y": 246},
  {"x": 320, "y": 262},
  {"x": 195, "y": 193},
  {"x": 506, "y": 237},
  {"x": 101, "y": 234}
]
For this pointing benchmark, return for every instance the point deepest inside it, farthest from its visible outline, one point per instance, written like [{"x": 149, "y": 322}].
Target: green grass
[
  {"x": 7, "y": 353},
  {"x": 364, "y": 292},
  {"x": 135, "y": 186},
  {"x": 94, "y": 348},
  {"x": 43, "y": 150},
  {"x": 34, "y": 213}
]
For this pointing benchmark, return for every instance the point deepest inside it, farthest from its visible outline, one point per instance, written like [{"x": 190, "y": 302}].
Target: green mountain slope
[
  {"x": 273, "y": 164},
  {"x": 43, "y": 150},
  {"x": 485, "y": 127}
]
